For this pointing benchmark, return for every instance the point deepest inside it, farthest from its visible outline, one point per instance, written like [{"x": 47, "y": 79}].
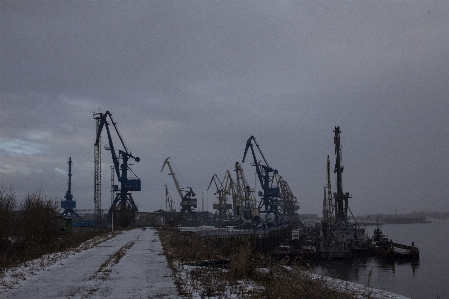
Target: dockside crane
[
  {"x": 246, "y": 194},
  {"x": 237, "y": 202},
  {"x": 188, "y": 202},
  {"x": 341, "y": 199},
  {"x": 221, "y": 193},
  {"x": 127, "y": 185},
  {"x": 168, "y": 201},
  {"x": 69, "y": 204},
  {"x": 270, "y": 195},
  {"x": 289, "y": 202}
]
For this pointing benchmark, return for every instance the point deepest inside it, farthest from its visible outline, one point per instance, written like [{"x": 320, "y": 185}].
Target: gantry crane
[
  {"x": 341, "y": 199},
  {"x": 168, "y": 201},
  {"x": 69, "y": 204},
  {"x": 246, "y": 194},
  {"x": 237, "y": 202},
  {"x": 127, "y": 185},
  {"x": 188, "y": 202},
  {"x": 223, "y": 190},
  {"x": 289, "y": 203},
  {"x": 270, "y": 195}
]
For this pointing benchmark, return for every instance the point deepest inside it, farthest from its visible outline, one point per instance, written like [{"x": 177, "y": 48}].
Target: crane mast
[
  {"x": 330, "y": 205},
  {"x": 97, "y": 170},
  {"x": 341, "y": 199}
]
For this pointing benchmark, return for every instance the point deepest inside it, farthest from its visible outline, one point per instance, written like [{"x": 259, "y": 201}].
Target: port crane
[
  {"x": 224, "y": 188},
  {"x": 245, "y": 194},
  {"x": 168, "y": 201},
  {"x": 127, "y": 185},
  {"x": 69, "y": 204},
  {"x": 289, "y": 202},
  {"x": 270, "y": 196},
  {"x": 341, "y": 199},
  {"x": 188, "y": 202},
  {"x": 237, "y": 202}
]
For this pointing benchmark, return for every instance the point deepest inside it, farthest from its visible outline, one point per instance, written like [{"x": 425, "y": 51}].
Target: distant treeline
[{"x": 414, "y": 214}]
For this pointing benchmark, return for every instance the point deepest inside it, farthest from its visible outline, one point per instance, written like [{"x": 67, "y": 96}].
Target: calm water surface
[{"x": 427, "y": 278}]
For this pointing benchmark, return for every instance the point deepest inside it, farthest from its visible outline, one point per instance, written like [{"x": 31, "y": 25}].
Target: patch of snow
[{"x": 129, "y": 265}]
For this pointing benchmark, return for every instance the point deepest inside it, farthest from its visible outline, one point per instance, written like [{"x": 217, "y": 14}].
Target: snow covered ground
[{"x": 128, "y": 265}]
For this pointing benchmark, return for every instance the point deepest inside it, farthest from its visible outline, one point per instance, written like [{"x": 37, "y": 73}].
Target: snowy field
[{"x": 129, "y": 265}]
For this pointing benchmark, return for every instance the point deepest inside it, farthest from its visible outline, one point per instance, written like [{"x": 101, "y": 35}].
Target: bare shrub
[
  {"x": 29, "y": 230},
  {"x": 37, "y": 219},
  {"x": 7, "y": 207}
]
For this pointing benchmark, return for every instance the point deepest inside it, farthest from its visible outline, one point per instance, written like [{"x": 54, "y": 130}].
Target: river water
[{"x": 426, "y": 278}]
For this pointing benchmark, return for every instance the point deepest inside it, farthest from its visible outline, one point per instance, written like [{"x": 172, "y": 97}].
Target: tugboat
[{"x": 385, "y": 248}]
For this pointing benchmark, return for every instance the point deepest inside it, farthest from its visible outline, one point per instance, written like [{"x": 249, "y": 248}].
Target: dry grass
[
  {"x": 203, "y": 269},
  {"x": 27, "y": 230}
]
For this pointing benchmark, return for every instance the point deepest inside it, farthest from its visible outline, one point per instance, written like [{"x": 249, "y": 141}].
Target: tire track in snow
[
  {"x": 102, "y": 273},
  {"x": 129, "y": 265},
  {"x": 13, "y": 276},
  {"x": 64, "y": 275}
]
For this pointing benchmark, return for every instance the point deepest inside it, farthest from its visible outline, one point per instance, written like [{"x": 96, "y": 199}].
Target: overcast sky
[{"x": 193, "y": 80}]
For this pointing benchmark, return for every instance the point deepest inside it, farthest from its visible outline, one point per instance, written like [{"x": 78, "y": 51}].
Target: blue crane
[
  {"x": 69, "y": 204},
  {"x": 127, "y": 185},
  {"x": 270, "y": 195}
]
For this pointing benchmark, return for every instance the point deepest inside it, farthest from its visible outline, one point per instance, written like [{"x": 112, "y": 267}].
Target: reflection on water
[
  {"x": 358, "y": 268},
  {"x": 369, "y": 271},
  {"x": 423, "y": 278}
]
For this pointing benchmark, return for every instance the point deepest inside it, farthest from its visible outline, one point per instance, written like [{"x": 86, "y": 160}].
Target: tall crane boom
[
  {"x": 127, "y": 185},
  {"x": 188, "y": 202},
  {"x": 269, "y": 197},
  {"x": 172, "y": 173}
]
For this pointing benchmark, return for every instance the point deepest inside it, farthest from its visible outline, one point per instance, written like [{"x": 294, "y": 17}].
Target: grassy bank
[{"x": 203, "y": 268}]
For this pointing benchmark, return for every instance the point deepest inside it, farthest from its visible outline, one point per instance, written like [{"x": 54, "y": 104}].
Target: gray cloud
[{"x": 195, "y": 80}]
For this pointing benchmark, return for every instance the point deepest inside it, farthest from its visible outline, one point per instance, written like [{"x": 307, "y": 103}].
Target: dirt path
[{"x": 130, "y": 265}]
